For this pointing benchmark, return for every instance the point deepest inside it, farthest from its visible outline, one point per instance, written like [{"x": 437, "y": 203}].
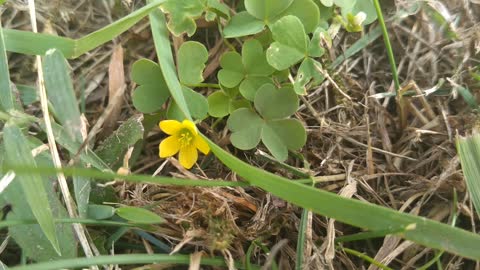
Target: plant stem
[
  {"x": 205, "y": 85},
  {"x": 388, "y": 46}
]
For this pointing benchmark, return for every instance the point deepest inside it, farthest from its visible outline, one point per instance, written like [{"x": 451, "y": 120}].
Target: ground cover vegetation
[{"x": 224, "y": 134}]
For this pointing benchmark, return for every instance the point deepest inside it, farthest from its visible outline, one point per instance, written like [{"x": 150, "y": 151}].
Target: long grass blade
[
  {"x": 388, "y": 45},
  {"x": 301, "y": 240},
  {"x": 123, "y": 260},
  {"x": 6, "y": 97},
  {"x": 60, "y": 93},
  {"x": 86, "y": 221},
  {"x": 21, "y": 41},
  {"x": 469, "y": 151},
  {"x": 357, "y": 46},
  {"x": 165, "y": 58},
  {"x": 357, "y": 213},
  {"x": 17, "y": 153},
  {"x": 134, "y": 178}
]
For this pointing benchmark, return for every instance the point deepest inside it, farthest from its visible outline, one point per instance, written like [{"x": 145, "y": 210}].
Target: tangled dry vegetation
[{"x": 357, "y": 145}]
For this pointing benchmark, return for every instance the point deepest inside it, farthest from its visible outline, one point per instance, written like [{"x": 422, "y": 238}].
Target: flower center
[{"x": 185, "y": 138}]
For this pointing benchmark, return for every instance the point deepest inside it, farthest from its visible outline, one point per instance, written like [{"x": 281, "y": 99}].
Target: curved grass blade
[
  {"x": 21, "y": 41},
  {"x": 354, "y": 212},
  {"x": 6, "y": 97},
  {"x": 124, "y": 260},
  {"x": 165, "y": 59},
  {"x": 17, "y": 153}
]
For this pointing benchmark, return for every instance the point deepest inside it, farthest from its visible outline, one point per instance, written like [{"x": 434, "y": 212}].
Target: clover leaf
[
  {"x": 246, "y": 127},
  {"x": 271, "y": 125},
  {"x": 249, "y": 70},
  {"x": 273, "y": 103},
  {"x": 289, "y": 49},
  {"x": 266, "y": 10},
  {"x": 261, "y": 13},
  {"x": 223, "y": 102},
  {"x": 291, "y": 43},
  {"x": 184, "y": 13},
  {"x": 218, "y": 104},
  {"x": 196, "y": 103},
  {"x": 192, "y": 57},
  {"x": 152, "y": 91}
]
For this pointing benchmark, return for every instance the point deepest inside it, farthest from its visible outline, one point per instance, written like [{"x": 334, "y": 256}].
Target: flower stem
[{"x": 388, "y": 46}]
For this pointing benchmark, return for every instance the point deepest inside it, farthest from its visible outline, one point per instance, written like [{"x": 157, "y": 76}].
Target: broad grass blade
[
  {"x": 468, "y": 149},
  {"x": 357, "y": 213},
  {"x": 60, "y": 93},
  {"x": 21, "y": 41},
  {"x": 82, "y": 188},
  {"x": 6, "y": 97},
  {"x": 18, "y": 153},
  {"x": 106, "y": 34},
  {"x": 165, "y": 59}
]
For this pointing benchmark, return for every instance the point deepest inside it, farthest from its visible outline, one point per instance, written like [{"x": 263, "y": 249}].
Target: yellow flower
[{"x": 184, "y": 138}]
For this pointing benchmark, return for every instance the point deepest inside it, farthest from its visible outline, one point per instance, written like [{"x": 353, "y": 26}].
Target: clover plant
[{"x": 276, "y": 53}]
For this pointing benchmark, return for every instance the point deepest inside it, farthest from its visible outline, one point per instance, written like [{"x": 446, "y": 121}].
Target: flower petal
[
  {"x": 169, "y": 147},
  {"x": 190, "y": 126},
  {"x": 201, "y": 144},
  {"x": 188, "y": 156},
  {"x": 170, "y": 126}
]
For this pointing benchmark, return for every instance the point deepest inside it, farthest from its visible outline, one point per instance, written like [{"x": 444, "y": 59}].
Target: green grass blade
[
  {"x": 355, "y": 212},
  {"x": 468, "y": 149},
  {"x": 357, "y": 46},
  {"x": 86, "y": 221},
  {"x": 369, "y": 235},
  {"x": 18, "y": 153},
  {"x": 60, "y": 93},
  {"x": 366, "y": 258},
  {"x": 21, "y": 41},
  {"x": 301, "y": 240},
  {"x": 106, "y": 34},
  {"x": 134, "y": 178},
  {"x": 82, "y": 189},
  {"x": 388, "y": 45},
  {"x": 123, "y": 260},
  {"x": 113, "y": 148},
  {"x": 468, "y": 97},
  {"x": 87, "y": 155},
  {"x": 6, "y": 97},
  {"x": 165, "y": 59}
]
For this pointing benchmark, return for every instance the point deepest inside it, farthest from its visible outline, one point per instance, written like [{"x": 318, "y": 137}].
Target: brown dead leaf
[{"x": 116, "y": 89}]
